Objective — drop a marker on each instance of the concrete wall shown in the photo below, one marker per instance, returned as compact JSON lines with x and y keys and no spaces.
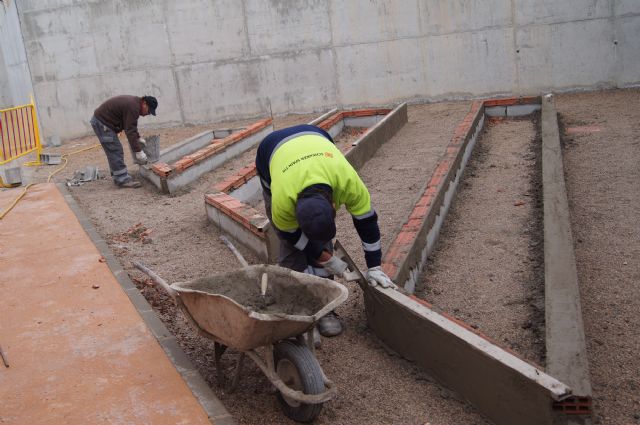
{"x":209,"y":60}
{"x":15,"y":78}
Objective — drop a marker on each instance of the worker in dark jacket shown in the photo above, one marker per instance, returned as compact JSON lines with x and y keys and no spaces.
{"x":118,"y":114}
{"x":305,"y":178}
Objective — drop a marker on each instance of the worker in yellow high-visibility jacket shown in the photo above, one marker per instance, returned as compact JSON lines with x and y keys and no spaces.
{"x":305,"y":179}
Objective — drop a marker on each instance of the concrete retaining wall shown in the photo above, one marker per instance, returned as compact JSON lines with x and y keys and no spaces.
{"x":15,"y":77}
{"x":212,"y":60}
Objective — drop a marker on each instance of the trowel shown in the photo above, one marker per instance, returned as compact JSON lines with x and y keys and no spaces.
{"x":265,"y":301}
{"x":353,"y":273}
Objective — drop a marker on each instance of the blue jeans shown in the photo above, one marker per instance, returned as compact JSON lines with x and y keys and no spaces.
{"x":113,"y":149}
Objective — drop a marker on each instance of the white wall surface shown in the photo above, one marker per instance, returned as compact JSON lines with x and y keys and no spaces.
{"x":208,"y":60}
{"x":15,"y":79}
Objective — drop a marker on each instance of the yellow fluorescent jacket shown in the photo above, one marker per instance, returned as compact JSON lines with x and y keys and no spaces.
{"x":312,"y":159}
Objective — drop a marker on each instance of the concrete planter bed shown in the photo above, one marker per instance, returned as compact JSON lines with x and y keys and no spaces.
{"x":229,"y":208}
{"x":504,"y":387}
{"x":184,"y":162}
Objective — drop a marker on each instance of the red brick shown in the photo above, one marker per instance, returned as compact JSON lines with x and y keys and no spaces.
{"x":421,"y":301}
{"x":525,"y":100}
{"x":161,"y":169}
{"x":419,"y":212}
{"x":331,"y":121}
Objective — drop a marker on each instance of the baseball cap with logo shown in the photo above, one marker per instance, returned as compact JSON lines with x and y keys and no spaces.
{"x":152,"y":102}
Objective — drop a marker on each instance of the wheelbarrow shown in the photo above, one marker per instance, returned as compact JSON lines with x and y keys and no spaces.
{"x":275,"y":331}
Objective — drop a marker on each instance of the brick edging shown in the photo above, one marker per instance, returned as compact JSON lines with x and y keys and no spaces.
{"x":166,"y":170}
{"x":240,"y":212}
{"x":214,"y":408}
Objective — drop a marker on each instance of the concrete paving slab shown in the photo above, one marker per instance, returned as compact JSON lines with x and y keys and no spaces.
{"x":78,"y":350}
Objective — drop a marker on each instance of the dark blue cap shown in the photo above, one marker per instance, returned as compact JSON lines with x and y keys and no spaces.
{"x":315,"y":215}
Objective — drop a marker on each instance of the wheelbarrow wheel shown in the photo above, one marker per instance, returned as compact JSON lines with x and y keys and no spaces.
{"x":299,"y":369}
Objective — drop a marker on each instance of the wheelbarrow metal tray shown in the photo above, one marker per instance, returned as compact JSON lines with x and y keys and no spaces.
{"x":236,"y":323}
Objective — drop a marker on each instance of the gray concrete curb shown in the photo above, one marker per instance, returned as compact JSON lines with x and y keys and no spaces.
{"x":565,"y":340}
{"x":216,"y":411}
{"x":376,"y":136}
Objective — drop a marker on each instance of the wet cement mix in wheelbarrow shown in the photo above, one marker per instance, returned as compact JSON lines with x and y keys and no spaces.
{"x":280,"y":298}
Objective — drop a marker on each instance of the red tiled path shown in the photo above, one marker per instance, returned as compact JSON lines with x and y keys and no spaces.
{"x":77,"y":355}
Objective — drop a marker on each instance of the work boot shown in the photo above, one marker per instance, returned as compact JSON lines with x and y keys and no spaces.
{"x":330,"y":325}
{"x":130,"y":184}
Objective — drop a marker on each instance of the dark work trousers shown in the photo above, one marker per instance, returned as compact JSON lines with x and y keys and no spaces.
{"x":113,"y":149}
{"x":291,"y":257}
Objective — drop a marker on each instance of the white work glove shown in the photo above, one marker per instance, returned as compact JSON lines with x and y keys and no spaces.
{"x":334,"y":266}
{"x":376,"y":276}
{"x":141,"y":158}
{"x":142,"y":142}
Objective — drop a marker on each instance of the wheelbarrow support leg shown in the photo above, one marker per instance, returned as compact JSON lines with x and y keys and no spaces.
{"x":219,"y":350}
{"x":236,"y":378}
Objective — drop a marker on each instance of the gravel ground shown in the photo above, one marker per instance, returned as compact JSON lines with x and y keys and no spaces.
{"x":488,"y":266}
{"x":601,"y":137}
{"x":374,"y":385}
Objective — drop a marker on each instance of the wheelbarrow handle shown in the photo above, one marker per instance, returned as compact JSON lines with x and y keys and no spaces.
{"x":157,"y":279}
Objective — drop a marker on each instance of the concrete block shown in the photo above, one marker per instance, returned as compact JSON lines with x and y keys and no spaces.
{"x":214,"y":408}
{"x":496,"y":111}
{"x":550,"y":11}
{"x":521,"y":110}
{"x":363,"y":21}
{"x":176,"y":355}
{"x":449,"y":59}
{"x":51,"y":158}
{"x":277,"y":26}
{"x":392,"y":73}
{"x":13,"y":176}
{"x":195,"y":39}
{"x":363,"y":122}
{"x":568,"y":49}
{"x":457,"y":16}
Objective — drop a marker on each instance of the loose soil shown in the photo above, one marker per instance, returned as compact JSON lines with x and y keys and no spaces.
{"x":171,"y":235}
{"x":488,"y":267}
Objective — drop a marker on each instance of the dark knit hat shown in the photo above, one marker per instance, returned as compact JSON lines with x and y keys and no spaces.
{"x":316,"y":217}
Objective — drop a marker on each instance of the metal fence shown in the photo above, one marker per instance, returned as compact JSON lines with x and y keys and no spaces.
{"x":19,"y":134}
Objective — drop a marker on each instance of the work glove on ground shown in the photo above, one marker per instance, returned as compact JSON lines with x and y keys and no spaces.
{"x":141,"y":158}
{"x":376,"y":276}
{"x":334,"y":266}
